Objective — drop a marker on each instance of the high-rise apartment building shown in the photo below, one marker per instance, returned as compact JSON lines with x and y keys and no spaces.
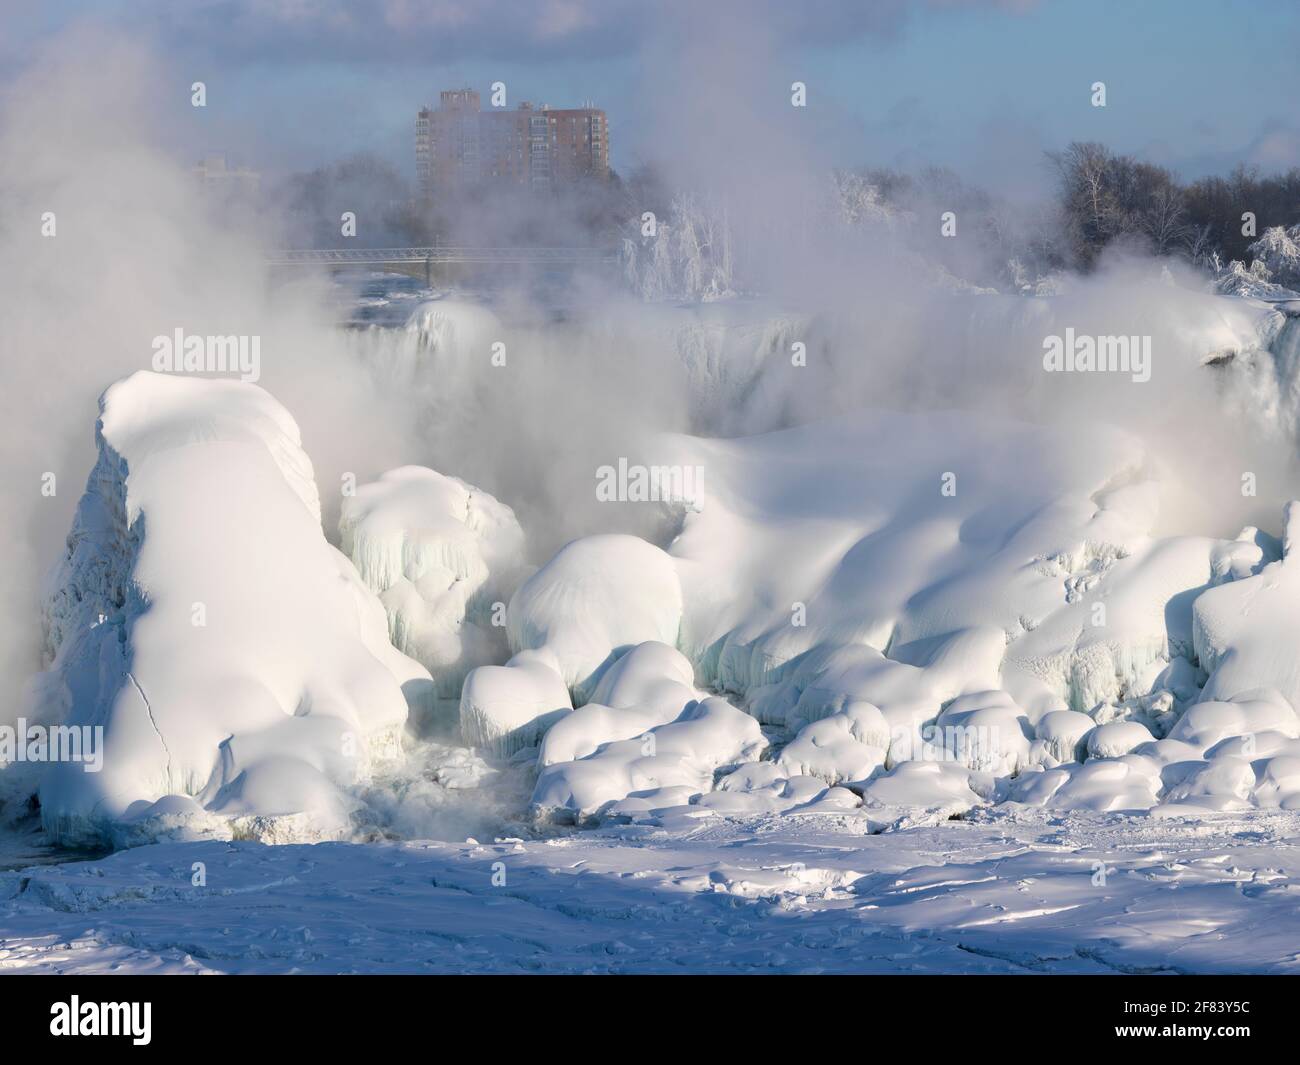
{"x":460,"y":145}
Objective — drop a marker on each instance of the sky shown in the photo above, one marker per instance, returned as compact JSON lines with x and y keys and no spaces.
{"x":984,"y":86}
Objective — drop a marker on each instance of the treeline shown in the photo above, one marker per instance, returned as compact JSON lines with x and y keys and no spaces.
{"x":1105,"y":198}
{"x":1102,"y":200}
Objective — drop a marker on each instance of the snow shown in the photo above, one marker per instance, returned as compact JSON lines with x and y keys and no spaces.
{"x":1116,"y":738}
{"x":1241,"y":629}
{"x":596,"y":597}
{"x":941,"y":564}
{"x":1062,"y":734}
{"x":848,"y":746}
{"x":508,"y":708}
{"x":679,"y":756}
{"x":440,"y":554}
{"x":239,"y":668}
{"x":1021,"y":891}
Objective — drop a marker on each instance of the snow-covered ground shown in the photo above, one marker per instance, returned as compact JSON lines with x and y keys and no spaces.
{"x":1013,"y":891}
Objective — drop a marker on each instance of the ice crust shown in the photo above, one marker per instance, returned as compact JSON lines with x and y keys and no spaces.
{"x":238,"y":666}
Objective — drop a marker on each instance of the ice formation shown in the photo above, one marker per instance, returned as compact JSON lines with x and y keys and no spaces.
{"x":239,"y":668}
{"x":863,"y":613}
{"x":598,"y":596}
{"x":444,"y":558}
{"x":927,"y":649}
{"x":668,"y":764}
{"x":508,"y":708}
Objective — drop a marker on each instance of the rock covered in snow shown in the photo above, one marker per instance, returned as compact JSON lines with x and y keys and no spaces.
{"x":940,"y":788}
{"x":440,"y":554}
{"x":1256,"y":713}
{"x":1103,"y":785}
{"x":983,"y":731}
{"x":239,"y":668}
{"x":505,"y":709}
{"x":1062,"y":734}
{"x":847,"y":747}
{"x":598,"y":596}
{"x":1243,"y":630}
{"x":682,"y":753}
{"x":1116,"y":738}
{"x":650,"y":685}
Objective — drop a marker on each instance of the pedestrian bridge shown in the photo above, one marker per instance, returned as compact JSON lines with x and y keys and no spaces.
{"x":428,"y":263}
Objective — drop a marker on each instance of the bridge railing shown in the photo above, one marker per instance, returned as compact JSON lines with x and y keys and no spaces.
{"x":443,"y":254}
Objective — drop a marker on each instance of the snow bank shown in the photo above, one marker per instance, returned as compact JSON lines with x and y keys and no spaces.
{"x":598,"y":596}
{"x":239,"y":668}
{"x":439,"y":553}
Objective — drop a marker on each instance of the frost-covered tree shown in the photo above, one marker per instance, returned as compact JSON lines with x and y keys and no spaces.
{"x":856,"y":200}
{"x":1278,"y":250}
{"x":688,"y":257}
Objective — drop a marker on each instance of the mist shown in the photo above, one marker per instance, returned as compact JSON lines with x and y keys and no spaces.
{"x":140,"y":252}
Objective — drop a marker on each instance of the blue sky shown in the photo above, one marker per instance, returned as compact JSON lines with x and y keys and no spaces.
{"x":982,"y":85}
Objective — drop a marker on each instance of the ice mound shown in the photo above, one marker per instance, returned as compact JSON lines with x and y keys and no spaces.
{"x":940,"y":789}
{"x":902,"y":532}
{"x":983,"y":731}
{"x":239,"y":668}
{"x":1253,"y":713}
{"x":650,"y":685}
{"x":1244,"y":631}
{"x":1222,"y":784}
{"x":849,"y":746}
{"x":1279,"y":782}
{"x":832,"y":677}
{"x":440,"y":554}
{"x":667,"y":765}
{"x":761,"y":787}
{"x":1102,"y":786}
{"x":1116,"y":738}
{"x":505,"y":709}
{"x":598,"y":596}
{"x":1061,"y":735}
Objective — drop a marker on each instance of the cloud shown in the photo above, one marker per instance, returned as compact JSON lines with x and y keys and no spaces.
{"x":415,"y":31}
